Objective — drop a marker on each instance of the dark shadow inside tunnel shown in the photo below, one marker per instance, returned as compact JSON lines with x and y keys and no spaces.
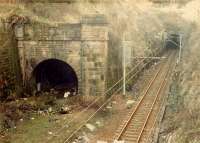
{"x":173,"y":41}
{"x":55,"y":74}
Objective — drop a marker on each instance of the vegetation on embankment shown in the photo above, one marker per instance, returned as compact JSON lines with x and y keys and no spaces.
{"x":182,"y":120}
{"x":142,"y":25}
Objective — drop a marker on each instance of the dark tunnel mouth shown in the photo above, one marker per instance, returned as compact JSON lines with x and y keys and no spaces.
{"x":55,"y":74}
{"x":174,"y":42}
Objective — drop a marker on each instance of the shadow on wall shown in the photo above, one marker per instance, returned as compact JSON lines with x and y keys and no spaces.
{"x":55,"y":74}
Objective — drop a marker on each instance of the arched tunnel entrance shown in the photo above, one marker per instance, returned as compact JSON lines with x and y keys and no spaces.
{"x":173,"y":41}
{"x":55,"y":74}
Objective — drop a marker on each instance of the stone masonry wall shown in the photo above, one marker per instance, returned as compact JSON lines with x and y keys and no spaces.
{"x":4,"y":53}
{"x":82,"y":45}
{"x":8,"y":52}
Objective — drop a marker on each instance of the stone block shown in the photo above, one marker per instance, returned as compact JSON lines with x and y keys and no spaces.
{"x":96,"y":19}
{"x":90,"y":64}
{"x":64,"y":42}
{"x":94,"y":33}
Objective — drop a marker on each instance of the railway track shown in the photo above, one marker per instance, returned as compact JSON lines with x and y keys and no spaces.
{"x":139,"y":122}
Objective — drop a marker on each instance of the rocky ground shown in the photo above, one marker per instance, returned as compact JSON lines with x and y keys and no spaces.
{"x":39,"y":119}
{"x":49,"y":119}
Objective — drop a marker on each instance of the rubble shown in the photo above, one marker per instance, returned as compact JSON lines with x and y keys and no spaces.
{"x":41,"y":113}
{"x":9,"y":123}
{"x":129,"y":103}
{"x":65,"y":110}
{"x":50,"y":133}
{"x":11,"y":116}
{"x":26,"y":107}
{"x":90,"y":127}
{"x":99,"y":123}
{"x":82,"y":139}
{"x":53,"y":119}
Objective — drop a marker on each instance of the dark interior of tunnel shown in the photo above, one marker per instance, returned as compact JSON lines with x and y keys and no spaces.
{"x":173,"y":41}
{"x":55,"y":74}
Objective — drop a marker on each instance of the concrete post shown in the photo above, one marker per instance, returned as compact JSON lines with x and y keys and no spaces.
{"x":180,"y":49}
{"x":124,"y":71}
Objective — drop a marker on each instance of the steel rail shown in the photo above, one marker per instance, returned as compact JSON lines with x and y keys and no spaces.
{"x":138,"y":105}
{"x":85,"y":122}
{"x":82,"y":125}
{"x":163,"y":84}
{"x":157,"y":117}
{"x":68,"y":139}
{"x":107,"y":101}
{"x":91,"y":104}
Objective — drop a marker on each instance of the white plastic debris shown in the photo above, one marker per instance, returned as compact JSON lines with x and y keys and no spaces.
{"x":50,"y":133}
{"x":66,"y":95}
{"x":99,"y":123}
{"x":90,"y":127}
{"x":32,"y":118}
{"x":50,"y":109}
{"x":65,"y":110}
{"x":38,"y":86}
{"x":109,"y":107}
{"x":130,"y":102}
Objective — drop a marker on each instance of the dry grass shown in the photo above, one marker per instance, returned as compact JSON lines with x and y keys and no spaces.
{"x":187,"y":117}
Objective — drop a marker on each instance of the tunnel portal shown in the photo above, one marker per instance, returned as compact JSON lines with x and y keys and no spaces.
{"x":173,"y":41}
{"x":55,"y":74}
